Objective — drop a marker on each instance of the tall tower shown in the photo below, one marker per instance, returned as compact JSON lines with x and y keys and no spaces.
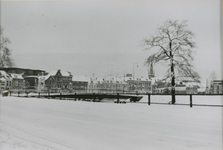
{"x":151,"y":73}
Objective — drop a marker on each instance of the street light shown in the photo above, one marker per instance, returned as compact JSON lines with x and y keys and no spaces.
{"x":133,"y":70}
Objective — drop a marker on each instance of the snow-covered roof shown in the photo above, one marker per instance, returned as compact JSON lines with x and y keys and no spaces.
{"x":99,"y":80}
{"x":120,"y":79}
{"x":185,"y":79}
{"x":47,"y":76}
{"x":53,"y":73}
{"x":63,"y":73}
{"x":143,"y":79}
{"x":4,"y":74}
{"x":190,"y":84}
{"x":128,"y":78}
{"x":2,"y":79}
{"x":16,"y":76}
{"x":79,"y":78}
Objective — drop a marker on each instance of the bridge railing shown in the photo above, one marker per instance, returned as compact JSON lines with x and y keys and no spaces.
{"x":190,"y":98}
{"x":150,"y":95}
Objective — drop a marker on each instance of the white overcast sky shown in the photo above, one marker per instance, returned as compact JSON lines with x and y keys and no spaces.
{"x":100,"y":37}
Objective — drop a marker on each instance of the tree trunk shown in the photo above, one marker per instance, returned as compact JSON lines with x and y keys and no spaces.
{"x":173,"y":83}
{"x":172,"y":77}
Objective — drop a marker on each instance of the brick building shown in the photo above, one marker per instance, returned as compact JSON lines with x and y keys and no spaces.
{"x":58,"y":81}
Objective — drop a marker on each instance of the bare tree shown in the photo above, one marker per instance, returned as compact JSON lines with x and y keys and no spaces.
{"x":174,"y":45}
{"x":5,"y":52}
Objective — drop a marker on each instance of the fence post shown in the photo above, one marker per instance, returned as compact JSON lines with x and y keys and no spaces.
{"x":117,"y":97}
{"x":18,"y":94}
{"x":27,"y":94}
{"x":93,"y":97}
{"x":60,"y":95}
{"x":148,"y":99}
{"x":39,"y":94}
{"x":191,"y":100}
{"x":75,"y":95}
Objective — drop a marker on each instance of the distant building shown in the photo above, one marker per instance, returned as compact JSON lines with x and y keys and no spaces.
{"x":6,"y":81}
{"x":139,"y":85}
{"x":58,"y":81}
{"x":183,"y":85}
{"x":18,"y":79}
{"x":216,"y":87}
{"x":18,"y":82}
{"x":31,"y":82}
{"x":2,"y":84}
{"x":79,"y":83}
{"x":97,"y":85}
{"x":35,"y":83}
{"x":110,"y":84}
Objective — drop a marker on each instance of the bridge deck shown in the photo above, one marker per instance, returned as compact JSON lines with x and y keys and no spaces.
{"x":93,"y":96}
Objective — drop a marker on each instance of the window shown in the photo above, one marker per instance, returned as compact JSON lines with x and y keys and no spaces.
{"x":16,"y":83}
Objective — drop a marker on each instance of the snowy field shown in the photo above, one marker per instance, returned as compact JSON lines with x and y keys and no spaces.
{"x":47,"y":124}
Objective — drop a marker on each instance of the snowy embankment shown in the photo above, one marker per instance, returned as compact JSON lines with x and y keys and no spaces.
{"x":47,"y":124}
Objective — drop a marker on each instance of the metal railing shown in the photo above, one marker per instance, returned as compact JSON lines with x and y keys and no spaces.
{"x":190,"y":98}
{"x":119,"y":93}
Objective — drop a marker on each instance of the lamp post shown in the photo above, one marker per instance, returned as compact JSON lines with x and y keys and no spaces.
{"x":133,"y":70}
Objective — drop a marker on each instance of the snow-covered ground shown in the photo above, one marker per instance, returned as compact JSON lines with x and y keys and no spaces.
{"x":47,"y":124}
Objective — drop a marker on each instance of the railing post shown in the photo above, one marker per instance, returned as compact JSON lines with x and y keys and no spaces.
{"x":117,"y":97}
{"x":93,"y":97}
{"x":191,"y":100}
{"x":148,"y":99}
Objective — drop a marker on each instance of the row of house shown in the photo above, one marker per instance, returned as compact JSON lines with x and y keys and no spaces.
{"x":183,"y":85}
{"x":19,"y":79}
{"x":29,"y":80}
{"x":11,"y":81}
{"x":119,"y":84}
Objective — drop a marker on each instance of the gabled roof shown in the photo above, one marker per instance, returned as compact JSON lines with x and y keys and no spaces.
{"x":63,"y":73}
{"x":3,"y":73}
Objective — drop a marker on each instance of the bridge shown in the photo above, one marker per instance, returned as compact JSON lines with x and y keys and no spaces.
{"x":95,"y":97}
{"x":116,"y":97}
